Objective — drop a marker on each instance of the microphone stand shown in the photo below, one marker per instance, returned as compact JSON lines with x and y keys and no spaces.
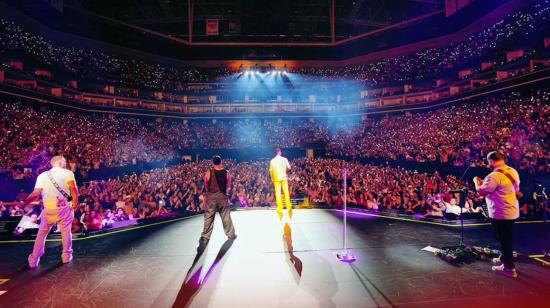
{"x":544,"y":258}
{"x":462,"y":202}
{"x":463,"y":195}
{"x":465,"y":171}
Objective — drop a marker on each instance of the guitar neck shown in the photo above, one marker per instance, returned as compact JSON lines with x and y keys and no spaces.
{"x":15,"y":203}
{"x":460,"y":183}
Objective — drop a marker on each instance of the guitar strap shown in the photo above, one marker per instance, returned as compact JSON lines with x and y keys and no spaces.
{"x":511,"y":180}
{"x":63,"y":192}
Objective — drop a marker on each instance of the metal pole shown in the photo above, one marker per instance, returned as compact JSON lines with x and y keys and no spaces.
{"x":545,"y":228}
{"x":461,"y":226}
{"x":190,"y":19}
{"x":345,"y":209}
{"x":344,"y":255}
{"x":332,"y":22}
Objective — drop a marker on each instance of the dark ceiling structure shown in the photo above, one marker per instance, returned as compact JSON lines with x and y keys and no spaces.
{"x":261,"y":20}
{"x":254,"y":29}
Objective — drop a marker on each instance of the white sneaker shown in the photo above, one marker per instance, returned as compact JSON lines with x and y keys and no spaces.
{"x":34,"y":264}
{"x":501,"y":270}
{"x":497,"y":261}
{"x":67,"y":261}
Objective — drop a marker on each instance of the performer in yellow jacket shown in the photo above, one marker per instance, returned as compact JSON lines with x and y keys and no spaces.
{"x":277,"y":170}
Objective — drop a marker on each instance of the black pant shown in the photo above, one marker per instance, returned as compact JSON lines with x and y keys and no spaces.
{"x":504,"y":232}
{"x":217,"y":202}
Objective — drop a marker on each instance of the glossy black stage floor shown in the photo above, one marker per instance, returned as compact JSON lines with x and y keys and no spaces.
{"x":273,"y":265}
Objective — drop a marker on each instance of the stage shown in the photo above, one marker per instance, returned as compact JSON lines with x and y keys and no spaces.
{"x":273,"y":264}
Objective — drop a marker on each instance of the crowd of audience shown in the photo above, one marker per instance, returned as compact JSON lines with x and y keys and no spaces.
{"x":98,"y":66}
{"x":103,"y":204}
{"x":235,"y":134}
{"x":484,"y":45}
{"x":94,"y":65}
{"x":30,"y":137}
{"x":458,"y":135}
{"x":118,"y":201}
{"x":379,"y":188}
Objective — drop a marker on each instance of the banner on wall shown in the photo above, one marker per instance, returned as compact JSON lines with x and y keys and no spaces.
{"x":212,"y":27}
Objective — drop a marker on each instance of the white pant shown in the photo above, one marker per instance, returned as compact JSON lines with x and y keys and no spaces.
{"x":63,"y":217}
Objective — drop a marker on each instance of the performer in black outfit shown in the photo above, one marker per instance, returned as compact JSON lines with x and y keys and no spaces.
{"x":217,"y":180}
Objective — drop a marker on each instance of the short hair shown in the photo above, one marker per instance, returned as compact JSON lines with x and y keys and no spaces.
{"x":495,"y":156}
{"x":217,"y":160}
{"x":277,"y":150}
{"x":56,"y":159}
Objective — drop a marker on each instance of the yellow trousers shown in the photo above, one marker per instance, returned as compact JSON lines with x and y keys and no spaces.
{"x":278,"y":198}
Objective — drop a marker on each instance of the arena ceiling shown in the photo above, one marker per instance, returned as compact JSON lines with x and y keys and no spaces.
{"x":261,"y":20}
{"x":253,"y":29}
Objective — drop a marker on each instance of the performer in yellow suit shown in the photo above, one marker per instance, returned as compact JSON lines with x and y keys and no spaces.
{"x":278,"y":167}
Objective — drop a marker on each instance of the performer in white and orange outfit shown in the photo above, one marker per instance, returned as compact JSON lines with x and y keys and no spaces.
{"x":59,"y":193}
{"x":278,"y":167}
